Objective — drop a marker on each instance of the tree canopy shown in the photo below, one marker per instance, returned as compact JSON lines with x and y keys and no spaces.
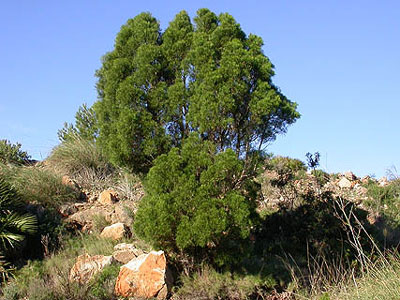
{"x":205,"y":76}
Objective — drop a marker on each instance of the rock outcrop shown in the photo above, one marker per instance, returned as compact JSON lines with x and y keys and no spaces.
{"x":87,"y":266}
{"x":145,"y":276}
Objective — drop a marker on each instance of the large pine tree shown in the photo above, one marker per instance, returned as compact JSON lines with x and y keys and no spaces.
{"x":209,"y":77}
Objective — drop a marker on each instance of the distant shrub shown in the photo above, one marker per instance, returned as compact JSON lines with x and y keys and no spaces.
{"x":385,"y":200}
{"x":195,"y":202}
{"x":85,"y":126}
{"x":279,"y":163}
{"x":12,"y":153}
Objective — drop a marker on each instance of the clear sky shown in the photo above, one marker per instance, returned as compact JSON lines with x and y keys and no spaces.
{"x":339,"y":60}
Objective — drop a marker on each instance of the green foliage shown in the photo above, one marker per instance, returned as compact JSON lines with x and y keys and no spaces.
{"x":39,"y":186}
{"x":15,"y":224}
{"x":102,"y":285}
{"x":385,"y":200}
{"x":85,"y":126}
{"x":279,"y":163}
{"x":12,"y":153}
{"x":155,"y":88}
{"x":209,"y":284}
{"x":196,"y":201}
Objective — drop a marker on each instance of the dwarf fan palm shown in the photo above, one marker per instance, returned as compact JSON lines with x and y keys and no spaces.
{"x":14,"y":225}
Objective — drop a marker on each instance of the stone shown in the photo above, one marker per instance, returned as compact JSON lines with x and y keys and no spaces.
{"x":121,"y":214}
{"x":87,"y":266}
{"x":67,"y":210}
{"x":383,"y":181}
{"x":361,"y":191}
{"x":108,"y":197}
{"x":350,"y":175}
{"x":115,"y":231}
{"x":84,"y":218}
{"x":344,"y":183}
{"x":145,"y":276}
{"x":366,"y":179}
{"x":68,"y":181}
{"x":124,"y":253}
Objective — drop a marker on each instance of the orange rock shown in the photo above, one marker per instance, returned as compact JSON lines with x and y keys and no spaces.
{"x":86,"y":266}
{"x":115,"y":231}
{"x":108,"y":197}
{"x":144,"y":276}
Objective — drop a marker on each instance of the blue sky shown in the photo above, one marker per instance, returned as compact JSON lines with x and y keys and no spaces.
{"x":339,"y":60}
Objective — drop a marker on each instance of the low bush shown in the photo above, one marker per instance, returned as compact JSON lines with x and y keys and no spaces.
{"x":210,"y":284}
{"x":291,"y":164}
{"x":82,"y":160}
{"x":36,"y":185}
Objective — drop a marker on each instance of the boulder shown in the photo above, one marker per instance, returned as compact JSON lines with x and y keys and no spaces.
{"x":87,"y":266}
{"x":66,"y":180}
{"x":84,"y":218}
{"x":121,"y":214}
{"x":124,"y":253}
{"x":115,"y":231}
{"x":366,"y":179}
{"x":145,"y":276}
{"x":108,"y":197}
{"x":344,"y":183}
{"x":350,"y":176}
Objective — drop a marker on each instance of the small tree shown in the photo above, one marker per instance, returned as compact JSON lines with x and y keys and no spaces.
{"x":195,"y":203}
{"x":313,"y":160}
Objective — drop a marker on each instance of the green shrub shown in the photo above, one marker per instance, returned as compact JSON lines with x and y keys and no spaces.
{"x":102,"y":285}
{"x":385,"y":199}
{"x":210,"y":284}
{"x":15,"y":224}
{"x":77,"y":155}
{"x":278,"y":163}
{"x":37,"y":185}
{"x":12,"y":154}
{"x":194,"y":201}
